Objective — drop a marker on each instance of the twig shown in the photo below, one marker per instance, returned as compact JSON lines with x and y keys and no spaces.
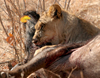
{"x":3,"y":10}
{"x":9,"y":14}
{"x":55,"y":1}
{"x":5,"y":62}
{"x":18,"y":10}
{"x":3,"y":27}
{"x":72,"y":71}
{"x":2,"y":48}
{"x":20,"y":30}
{"x":40,"y":6}
{"x":81,"y":73}
{"x":37,"y":5}
{"x":59,"y":3}
{"x":68,"y":4}
{"x":43,"y":5}
{"x":13,"y":26}
{"x":14,"y":6}
{"x":20,"y":43}
{"x":24,"y":5}
{"x":65,"y":4}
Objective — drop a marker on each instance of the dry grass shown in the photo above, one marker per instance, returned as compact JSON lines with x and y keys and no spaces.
{"x":12,"y":10}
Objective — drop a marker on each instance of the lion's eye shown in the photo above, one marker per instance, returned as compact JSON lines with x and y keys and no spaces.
{"x":42,"y":26}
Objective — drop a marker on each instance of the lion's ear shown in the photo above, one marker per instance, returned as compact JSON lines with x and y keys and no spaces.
{"x":55,"y":11}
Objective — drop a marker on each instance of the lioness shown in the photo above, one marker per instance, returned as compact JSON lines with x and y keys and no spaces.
{"x":58,"y":26}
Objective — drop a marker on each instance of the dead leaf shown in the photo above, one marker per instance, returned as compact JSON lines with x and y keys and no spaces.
{"x":10,"y":39}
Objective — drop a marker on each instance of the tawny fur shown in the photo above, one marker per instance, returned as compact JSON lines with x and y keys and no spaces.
{"x":58,"y":26}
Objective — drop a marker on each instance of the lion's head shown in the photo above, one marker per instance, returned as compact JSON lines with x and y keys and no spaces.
{"x":48,"y":28}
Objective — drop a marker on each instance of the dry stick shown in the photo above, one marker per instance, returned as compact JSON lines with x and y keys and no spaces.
{"x":68,"y":4}
{"x":40,"y":6}
{"x":37,"y":5}
{"x":10,"y":16}
{"x":3,"y":10}
{"x":72,"y":71}
{"x":13,"y":28}
{"x":43,"y":5}
{"x":65,"y":4}
{"x":19,"y":38}
{"x":18,"y":10}
{"x":20,"y":30}
{"x":98,"y":10}
{"x":24,"y":5}
{"x":20,"y":49}
{"x":55,"y":1}
{"x":14,"y":6}
{"x":59,"y":3}
{"x":2,"y":48}
{"x":20,"y":35}
{"x":9,"y":13}
{"x":81,"y":73}
{"x":17,"y":30}
{"x":5,"y":62}
{"x":3,"y":27}
{"x":20,"y":43}
{"x":68,"y":72}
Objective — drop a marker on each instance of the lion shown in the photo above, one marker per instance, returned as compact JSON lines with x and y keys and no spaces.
{"x":57,"y":26}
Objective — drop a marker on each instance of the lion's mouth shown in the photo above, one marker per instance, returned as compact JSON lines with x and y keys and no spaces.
{"x":43,"y":44}
{"x":46,"y":42}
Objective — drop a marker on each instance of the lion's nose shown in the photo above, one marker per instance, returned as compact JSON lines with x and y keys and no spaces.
{"x":34,"y":40}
